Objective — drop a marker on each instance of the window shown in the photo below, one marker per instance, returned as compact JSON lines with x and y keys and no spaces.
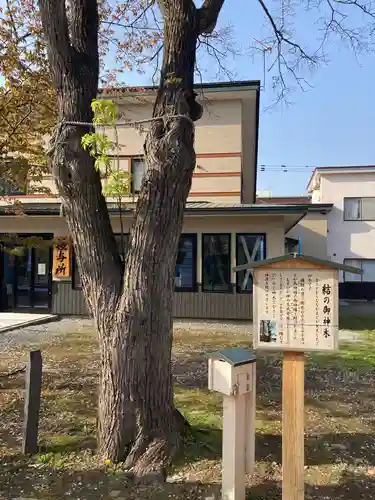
{"x":216,"y":262}
{"x":8,"y":188}
{"x":122,"y":244}
{"x":138,"y":167}
{"x":359,"y":208}
{"x":186,"y":263}
{"x":249,"y":247}
{"x":367,"y":267}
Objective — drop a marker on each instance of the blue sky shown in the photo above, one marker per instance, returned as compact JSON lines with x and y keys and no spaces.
{"x":331,"y":124}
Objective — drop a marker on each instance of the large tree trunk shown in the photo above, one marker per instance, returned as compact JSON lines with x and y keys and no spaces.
{"x":151,"y":261}
{"x":132,"y":313}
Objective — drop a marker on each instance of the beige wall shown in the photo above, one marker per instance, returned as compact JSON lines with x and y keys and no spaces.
{"x":225,"y":140}
{"x":47,"y":186}
{"x":313,"y":232}
{"x":33,"y":224}
{"x":218,"y":131}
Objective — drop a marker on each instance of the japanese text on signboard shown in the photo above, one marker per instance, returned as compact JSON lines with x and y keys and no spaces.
{"x":61,"y":259}
{"x":296,"y":308}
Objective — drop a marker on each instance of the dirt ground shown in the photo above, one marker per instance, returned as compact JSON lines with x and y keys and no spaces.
{"x":339,"y":421}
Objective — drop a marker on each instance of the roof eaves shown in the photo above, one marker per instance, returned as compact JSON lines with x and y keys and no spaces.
{"x":341,"y":170}
{"x":46,"y":209}
{"x":201,"y":208}
{"x":212,"y":86}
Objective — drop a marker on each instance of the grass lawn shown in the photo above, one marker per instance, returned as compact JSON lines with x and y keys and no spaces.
{"x":340,"y":423}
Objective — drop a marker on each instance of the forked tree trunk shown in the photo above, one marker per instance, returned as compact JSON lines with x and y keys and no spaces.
{"x":132,"y":313}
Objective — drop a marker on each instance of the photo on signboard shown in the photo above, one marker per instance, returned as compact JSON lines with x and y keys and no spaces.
{"x":268,"y":330}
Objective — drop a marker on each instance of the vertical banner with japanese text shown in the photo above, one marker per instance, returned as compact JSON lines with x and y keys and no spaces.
{"x":61,"y":259}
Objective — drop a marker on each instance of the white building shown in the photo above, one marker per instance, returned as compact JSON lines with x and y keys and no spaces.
{"x":350,"y":223}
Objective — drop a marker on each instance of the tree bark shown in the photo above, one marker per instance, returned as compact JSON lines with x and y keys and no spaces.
{"x":133,"y":311}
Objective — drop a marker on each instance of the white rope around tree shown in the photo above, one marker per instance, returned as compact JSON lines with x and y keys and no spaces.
{"x":134,"y":124}
{"x":130,"y":123}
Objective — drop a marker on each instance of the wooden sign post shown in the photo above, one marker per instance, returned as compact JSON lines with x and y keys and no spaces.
{"x":295,"y":311}
{"x":32,"y":403}
{"x":293,"y":425}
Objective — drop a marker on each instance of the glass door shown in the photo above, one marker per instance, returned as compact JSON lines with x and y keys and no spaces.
{"x":23,"y":275}
{"x":41,"y":264}
{"x":8,"y":275}
{"x":26,"y":276}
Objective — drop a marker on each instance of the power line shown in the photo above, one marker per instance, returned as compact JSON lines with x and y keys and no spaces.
{"x":286,"y":168}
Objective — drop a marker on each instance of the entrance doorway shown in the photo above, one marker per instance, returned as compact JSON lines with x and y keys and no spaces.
{"x":26,"y":275}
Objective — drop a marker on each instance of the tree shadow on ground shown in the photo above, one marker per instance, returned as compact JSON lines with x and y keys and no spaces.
{"x":322,"y":449}
{"x":54,"y":484}
{"x":347,"y":488}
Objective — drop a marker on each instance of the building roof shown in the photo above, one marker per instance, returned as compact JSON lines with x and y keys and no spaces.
{"x":284,"y":200}
{"x":298,"y":257}
{"x":348,"y":169}
{"x":291,"y":214}
{"x":54,"y":207}
{"x":257,"y":208}
{"x":209,"y":86}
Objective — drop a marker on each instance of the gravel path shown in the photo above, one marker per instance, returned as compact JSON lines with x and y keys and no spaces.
{"x":40,"y":333}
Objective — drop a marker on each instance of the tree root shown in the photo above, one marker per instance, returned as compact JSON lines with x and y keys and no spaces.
{"x":150,"y":457}
{"x":149,"y":460}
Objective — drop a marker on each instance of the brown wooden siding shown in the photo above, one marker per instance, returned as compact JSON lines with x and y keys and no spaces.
{"x":66,"y":301}
{"x":69,"y":302}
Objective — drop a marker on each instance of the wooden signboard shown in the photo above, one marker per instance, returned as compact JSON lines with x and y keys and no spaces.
{"x":296,"y":309}
{"x":61,"y":259}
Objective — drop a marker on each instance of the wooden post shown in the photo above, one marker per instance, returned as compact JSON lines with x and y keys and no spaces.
{"x":32,"y":403}
{"x":293,"y":425}
{"x":233,"y":462}
{"x":250,"y":424}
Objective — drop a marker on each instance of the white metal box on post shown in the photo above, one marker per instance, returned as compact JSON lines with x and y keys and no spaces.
{"x":230,"y":379}
{"x":232,"y":372}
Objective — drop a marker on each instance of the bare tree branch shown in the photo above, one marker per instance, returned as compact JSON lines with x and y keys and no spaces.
{"x":280,"y":37}
{"x":208,"y":15}
{"x":218,"y":55}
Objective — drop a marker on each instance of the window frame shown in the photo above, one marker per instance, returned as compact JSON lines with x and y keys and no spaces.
{"x":238,"y":289}
{"x":360,"y":198}
{"x":361,"y":268}
{"x":193,"y":288}
{"x":230,"y":284}
{"x":132,"y":159}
